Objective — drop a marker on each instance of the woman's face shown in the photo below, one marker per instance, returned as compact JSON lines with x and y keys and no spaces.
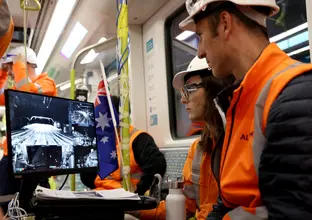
{"x":195,"y":102}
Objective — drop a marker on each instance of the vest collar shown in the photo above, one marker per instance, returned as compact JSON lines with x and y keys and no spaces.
{"x":267,"y":61}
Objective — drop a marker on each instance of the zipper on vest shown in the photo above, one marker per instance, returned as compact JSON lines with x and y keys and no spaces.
{"x":228,"y":143}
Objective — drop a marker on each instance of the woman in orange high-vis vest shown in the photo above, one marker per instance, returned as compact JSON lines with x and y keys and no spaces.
{"x":145,"y":161}
{"x":198,"y":88}
{"x":264,"y":166}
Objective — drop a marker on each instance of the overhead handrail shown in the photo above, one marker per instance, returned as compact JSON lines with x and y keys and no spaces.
{"x":30,"y":8}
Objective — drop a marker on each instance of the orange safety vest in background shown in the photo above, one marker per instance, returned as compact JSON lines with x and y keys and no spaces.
{"x":200,"y":187}
{"x":114,"y":180}
{"x":43,"y":84}
{"x":245,"y":139}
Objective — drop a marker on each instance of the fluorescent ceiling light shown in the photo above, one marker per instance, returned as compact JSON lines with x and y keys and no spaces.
{"x":91,"y":55}
{"x":184,"y":35}
{"x":293,"y":41}
{"x":74,"y":39}
{"x":289,"y":32}
{"x":58,"y":21}
{"x":303,"y":49}
{"x":67,"y":85}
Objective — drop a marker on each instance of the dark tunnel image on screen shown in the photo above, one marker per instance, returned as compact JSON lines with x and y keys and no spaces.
{"x":51,"y":133}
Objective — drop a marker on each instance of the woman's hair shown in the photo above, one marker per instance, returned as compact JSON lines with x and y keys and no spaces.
{"x":213,"y":120}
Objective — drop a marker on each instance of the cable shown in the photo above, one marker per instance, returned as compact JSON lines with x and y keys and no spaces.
{"x":63,"y":184}
{"x":14,"y":211}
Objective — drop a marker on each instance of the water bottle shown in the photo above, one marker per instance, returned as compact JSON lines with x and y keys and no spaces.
{"x":175,"y":202}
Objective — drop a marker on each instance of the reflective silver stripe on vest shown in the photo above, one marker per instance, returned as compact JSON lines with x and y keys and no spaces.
{"x":39,"y":88}
{"x":240,"y":214}
{"x":257,"y":146}
{"x":22,"y":82}
{"x":196,"y":164}
{"x":189,"y":191}
{"x":1,"y":91}
{"x":259,"y":138}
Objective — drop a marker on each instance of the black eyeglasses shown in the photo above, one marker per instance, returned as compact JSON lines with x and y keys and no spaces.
{"x":186,"y":90}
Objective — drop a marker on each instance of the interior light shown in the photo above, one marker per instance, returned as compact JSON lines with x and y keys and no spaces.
{"x":294,"y":41}
{"x":184,"y":35}
{"x":91,"y":55}
{"x":74,"y":39}
{"x":303,"y":49}
{"x":68,"y":84}
{"x":289,"y":32}
{"x":58,"y":21}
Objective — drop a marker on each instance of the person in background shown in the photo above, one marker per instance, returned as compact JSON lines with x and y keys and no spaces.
{"x":36,"y":83}
{"x":41,"y":84}
{"x":264,"y":167}
{"x":198,"y":88}
{"x":145,"y":161}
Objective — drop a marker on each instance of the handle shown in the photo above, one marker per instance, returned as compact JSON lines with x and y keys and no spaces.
{"x":30,"y":8}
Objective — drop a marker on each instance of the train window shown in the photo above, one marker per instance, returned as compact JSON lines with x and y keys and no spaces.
{"x":181,"y":50}
{"x":288,"y":29}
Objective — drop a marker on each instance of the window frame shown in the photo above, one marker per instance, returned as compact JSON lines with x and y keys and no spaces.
{"x":170,"y":74}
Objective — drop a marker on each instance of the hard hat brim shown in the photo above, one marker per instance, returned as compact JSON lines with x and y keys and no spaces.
{"x":178,"y":80}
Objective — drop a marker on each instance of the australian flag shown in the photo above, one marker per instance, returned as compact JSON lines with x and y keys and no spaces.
{"x":106,"y":139}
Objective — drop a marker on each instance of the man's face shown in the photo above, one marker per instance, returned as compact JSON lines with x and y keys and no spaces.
{"x":195,"y":103}
{"x":213,"y":46}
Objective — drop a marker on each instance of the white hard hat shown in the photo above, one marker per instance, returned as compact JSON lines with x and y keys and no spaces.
{"x":195,"y":65}
{"x":193,"y":7}
{"x":31,"y":55}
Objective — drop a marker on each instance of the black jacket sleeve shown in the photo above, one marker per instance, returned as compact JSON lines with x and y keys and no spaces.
{"x":149,"y":158}
{"x":285,"y":179}
{"x":88,"y":178}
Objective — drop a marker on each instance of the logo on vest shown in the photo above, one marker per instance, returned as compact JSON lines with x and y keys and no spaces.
{"x":246,"y":137}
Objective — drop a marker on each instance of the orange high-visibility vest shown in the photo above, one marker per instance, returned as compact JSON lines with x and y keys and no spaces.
{"x":200,"y":186}
{"x":114,"y":180}
{"x":43,"y":84}
{"x":245,"y":138}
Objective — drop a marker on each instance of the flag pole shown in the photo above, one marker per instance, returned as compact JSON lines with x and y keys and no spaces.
{"x":122,"y":68}
{"x":112,"y":113}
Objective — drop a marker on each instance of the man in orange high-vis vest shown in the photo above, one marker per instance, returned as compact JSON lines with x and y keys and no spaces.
{"x":264,"y":167}
{"x":32,"y":82}
{"x":145,"y":161}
